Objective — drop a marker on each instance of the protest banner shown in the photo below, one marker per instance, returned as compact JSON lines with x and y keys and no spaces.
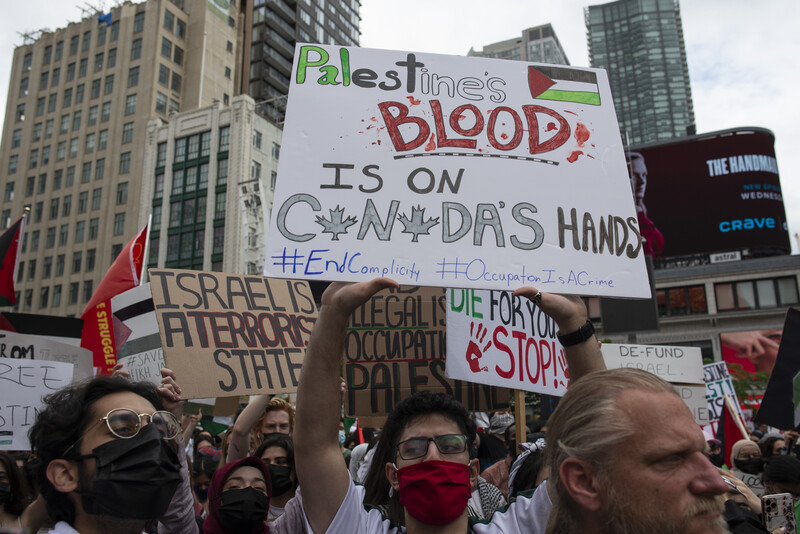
{"x":141,"y":354}
{"x":499,"y":339}
{"x":396,"y":345}
{"x":229,"y":334}
{"x":454,"y":172}
{"x":677,"y":365}
{"x":718,"y":384}
{"x":32,"y":347}
{"x":680,"y":366}
{"x":23,"y":383}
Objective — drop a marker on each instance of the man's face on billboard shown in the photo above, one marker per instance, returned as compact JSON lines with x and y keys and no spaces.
{"x":638,"y":178}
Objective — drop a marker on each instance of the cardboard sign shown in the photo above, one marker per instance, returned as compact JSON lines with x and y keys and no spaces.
{"x":499,"y":339}
{"x":682,"y":365}
{"x":23,"y":383}
{"x":33,"y":347}
{"x":396,"y":345}
{"x":228,"y":334}
{"x":695,"y":398}
{"x":718,"y":384}
{"x":453,"y":171}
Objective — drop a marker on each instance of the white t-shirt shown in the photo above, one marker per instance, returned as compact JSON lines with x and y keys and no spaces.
{"x":527,"y":515}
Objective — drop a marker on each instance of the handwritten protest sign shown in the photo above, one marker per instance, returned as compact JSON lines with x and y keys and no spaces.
{"x":718,"y":384}
{"x":680,"y":366}
{"x":674,"y":364}
{"x":228,"y":334}
{"x":453,"y":171}
{"x":35,"y":347}
{"x":22,"y":384}
{"x":141,"y":354}
{"x":396,"y":345}
{"x":496,"y":338}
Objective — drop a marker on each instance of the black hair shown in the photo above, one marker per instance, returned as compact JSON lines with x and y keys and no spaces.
{"x":768,"y":444}
{"x":525,"y":478}
{"x":204,"y":465}
{"x":20,"y":496}
{"x":420,"y":404}
{"x":784,"y":469}
{"x":62,"y":421}
{"x":284,"y":441}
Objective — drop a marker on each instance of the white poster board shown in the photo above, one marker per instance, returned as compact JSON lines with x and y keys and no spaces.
{"x":29,"y":346}
{"x":497,"y":339}
{"x":718,"y":384}
{"x":22,"y":385}
{"x":674,"y":364}
{"x":453,"y":171}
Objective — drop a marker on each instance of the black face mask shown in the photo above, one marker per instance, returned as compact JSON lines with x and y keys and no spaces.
{"x":280,"y":478}
{"x":243,"y":510}
{"x":136,"y":478}
{"x":202,"y":493}
{"x":752,"y":467}
{"x":716,"y":459}
{"x":5,"y":492}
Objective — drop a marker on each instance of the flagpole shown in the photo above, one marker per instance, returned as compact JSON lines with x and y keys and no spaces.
{"x":735,"y":415}
{"x":25,"y":212}
{"x":146,"y":250}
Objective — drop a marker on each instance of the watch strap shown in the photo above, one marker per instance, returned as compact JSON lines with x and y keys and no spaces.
{"x":578,"y":336}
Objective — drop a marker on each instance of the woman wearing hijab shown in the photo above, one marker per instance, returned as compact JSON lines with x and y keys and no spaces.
{"x":238,"y":498}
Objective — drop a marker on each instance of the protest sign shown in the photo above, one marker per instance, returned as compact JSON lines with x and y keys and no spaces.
{"x":228,"y":334}
{"x":32,"y":347}
{"x":22,"y":384}
{"x":141,"y":354}
{"x":454,"y":172}
{"x":396,"y":345}
{"x":718,"y":384}
{"x":682,"y":365}
{"x":499,"y":339}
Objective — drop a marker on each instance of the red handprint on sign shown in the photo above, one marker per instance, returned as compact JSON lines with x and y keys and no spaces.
{"x":474,"y":351}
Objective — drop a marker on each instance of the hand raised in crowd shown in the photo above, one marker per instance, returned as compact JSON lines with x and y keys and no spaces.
{"x":343,"y":298}
{"x":568,"y":311}
{"x":119,"y":372}
{"x":170,"y":393}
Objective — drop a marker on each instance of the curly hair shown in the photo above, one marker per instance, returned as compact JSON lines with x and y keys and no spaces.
{"x":275,"y":404}
{"x":20,"y":496}
{"x":62,"y":422}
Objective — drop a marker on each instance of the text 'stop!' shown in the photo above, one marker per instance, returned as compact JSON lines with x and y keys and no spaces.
{"x":453,"y":171}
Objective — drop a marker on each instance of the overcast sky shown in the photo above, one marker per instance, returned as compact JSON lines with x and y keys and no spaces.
{"x":743,"y":57}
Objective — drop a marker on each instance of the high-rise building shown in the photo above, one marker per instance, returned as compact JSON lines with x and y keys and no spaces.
{"x":539,"y":45}
{"x":209,"y":176}
{"x":75,"y":131}
{"x":273,"y":27}
{"x":640,"y":44}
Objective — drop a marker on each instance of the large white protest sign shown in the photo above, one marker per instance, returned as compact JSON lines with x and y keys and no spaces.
{"x":674,"y":364}
{"x":718,"y":384}
{"x":453,"y":171}
{"x":22,"y":385}
{"x":497,"y":339}
{"x":35,"y":347}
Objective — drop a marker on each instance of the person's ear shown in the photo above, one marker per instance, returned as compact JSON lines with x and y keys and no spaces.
{"x":63,"y":475}
{"x":391,"y":474}
{"x":580,"y":480}
{"x":474,"y":471}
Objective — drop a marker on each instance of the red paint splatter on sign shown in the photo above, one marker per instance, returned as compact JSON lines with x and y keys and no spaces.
{"x":581,"y":134}
{"x":565,"y":111}
{"x":504,"y":136}
{"x":550,"y":127}
{"x":574,"y":156}
{"x":414,"y":101}
{"x":431,"y":144}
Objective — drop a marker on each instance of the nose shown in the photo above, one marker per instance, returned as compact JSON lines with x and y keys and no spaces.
{"x":706,"y":480}
{"x":433,"y":452}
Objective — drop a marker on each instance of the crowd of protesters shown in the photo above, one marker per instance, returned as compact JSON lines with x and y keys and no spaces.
{"x":621,"y":453}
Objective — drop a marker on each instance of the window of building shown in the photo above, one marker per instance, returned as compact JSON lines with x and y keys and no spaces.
{"x":60,"y":261}
{"x":219,"y":240}
{"x":38,"y":211}
{"x":76,"y":120}
{"x":125,"y":163}
{"x":119,"y":224}
{"x":88,"y":289}
{"x":276,"y":151}
{"x":28,"y":302}
{"x":257,"y":137}
{"x":44,"y":294}
{"x":130,"y":105}
{"x":158,"y":191}
{"x":224,"y":138}
{"x":37,"y":131}
{"x":102,"y":30}
{"x":51,"y":237}
{"x":99,"y":168}
{"x":9,"y":196}
{"x":59,"y":50}
{"x":112,"y":58}
{"x":133,"y":77}
{"x":52,"y":101}
{"x":45,"y":155}
{"x":114,"y":34}
{"x":166,"y":48}
{"x":228,"y":72}
{"x":71,"y":71}
{"x":57,"y":176}
{"x":35,"y":240}
{"x":89,"y":143}
{"x":756,"y":294}
{"x":177,"y":56}
{"x":74,"y":42}
{"x":174,"y":106}
{"x":163,"y":78}
{"x":83,"y":201}
{"x":95,"y":93}
{"x":56,"y":77}
{"x":80,"y":231}
{"x":31,"y":269}
{"x":87,"y":40}
{"x":73,"y":147}
{"x":86,"y":173}
{"x":63,"y":234}
{"x":48,"y":129}
{"x":255,"y":170}
{"x":73,"y":292}
{"x":67,"y":98}
{"x":109,"y":87}
{"x":180,"y":29}
{"x":226,"y":99}
{"x":219,"y":205}
{"x":47,"y":267}
{"x":70,"y":176}
{"x":92,"y":120}
{"x":169,"y":20}
{"x":13,"y":162}
{"x":161,"y":154}
{"x":222,"y":172}
{"x":127,"y":133}
{"x":97,"y":197}
{"x":161,"y":103}
{"x":57,"y":295}
{"x":102,"y":140}
{"x":64,"y":124}
{"x":23,"y":84}
{"x":77,"y":261}
{"x":34,"y":159}
{"x":94,"y":227}
{"x":54,"y":208}
{"x":136,"y":49}
{"x":16,"y":138}
{"x":98,"y":61}
{"x":122,"y":193}
{"x":176,"y":82}
{"x":27,"y":61}
{"x":79,"y":91}
{"x":83,"y":67}
{"x":66,"y":206}
{"x":42,"y":183}
{"x":30,"y":185}
{"x":105,"y":112}
{"x":90,"y":259}
{"x":138,"y":22}
{"x":682,"y":301}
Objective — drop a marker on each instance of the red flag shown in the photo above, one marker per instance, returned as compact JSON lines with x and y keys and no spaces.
{"x":98,"y":327}
{"x":124,"y":274}
{"x":9,"y":245}
{"x":730,"y":431}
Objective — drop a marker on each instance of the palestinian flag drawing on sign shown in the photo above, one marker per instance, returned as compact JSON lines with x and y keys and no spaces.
{"x":563,"y":85}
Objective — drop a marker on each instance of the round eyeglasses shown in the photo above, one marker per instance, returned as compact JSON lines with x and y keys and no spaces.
{"x":414,"y":448}
{"x":125,"y":423}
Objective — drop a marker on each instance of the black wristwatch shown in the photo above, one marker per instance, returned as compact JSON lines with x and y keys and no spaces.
{"x":578,"y":336}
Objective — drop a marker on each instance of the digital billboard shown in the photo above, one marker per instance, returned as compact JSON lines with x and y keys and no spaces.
{"x":716,"y":192}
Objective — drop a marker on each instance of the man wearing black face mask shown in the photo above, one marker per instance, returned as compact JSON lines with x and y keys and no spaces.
{"x":107,"y":458}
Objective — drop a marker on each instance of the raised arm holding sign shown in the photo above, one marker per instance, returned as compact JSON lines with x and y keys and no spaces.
{"x":329,"y":499}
